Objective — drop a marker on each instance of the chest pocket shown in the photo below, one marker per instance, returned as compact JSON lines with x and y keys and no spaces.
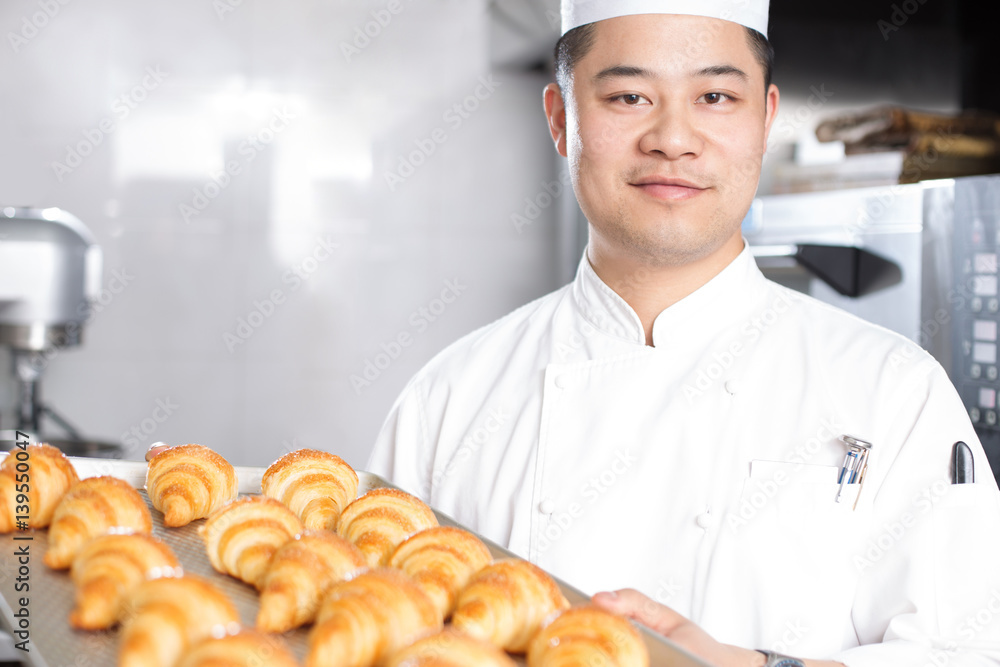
{"x":801,"y":544}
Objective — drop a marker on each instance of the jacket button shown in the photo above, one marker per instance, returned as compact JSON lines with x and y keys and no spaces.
{"x":547,"y":506}
{"x":564,"y":381}
{"x":732,"y":386}
{"x":704,"y":520}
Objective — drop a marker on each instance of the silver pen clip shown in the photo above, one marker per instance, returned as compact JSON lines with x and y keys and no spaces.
{"x":855,"y":464}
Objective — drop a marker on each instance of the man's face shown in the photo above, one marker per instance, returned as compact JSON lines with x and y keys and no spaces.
{"x":665,"y":129}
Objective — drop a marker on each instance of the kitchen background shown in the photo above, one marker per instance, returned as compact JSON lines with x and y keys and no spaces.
{"x":300,"y":203}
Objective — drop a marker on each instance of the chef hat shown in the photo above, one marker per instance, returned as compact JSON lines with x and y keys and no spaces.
{"x":751,"y":13}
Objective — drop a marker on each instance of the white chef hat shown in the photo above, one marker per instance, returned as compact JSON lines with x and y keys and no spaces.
{"x":751,"y":13}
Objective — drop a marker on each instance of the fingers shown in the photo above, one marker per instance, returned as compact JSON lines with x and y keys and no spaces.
{"x":155,"y":449}
{"x":635,"y":605}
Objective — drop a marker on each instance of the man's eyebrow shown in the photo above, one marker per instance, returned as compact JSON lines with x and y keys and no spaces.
{"x":624,"y":71}
{"x":723,"y":70}
{"x":631,"y":71}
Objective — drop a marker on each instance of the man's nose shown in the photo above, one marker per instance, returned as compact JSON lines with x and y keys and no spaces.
{"x":672,"y":133}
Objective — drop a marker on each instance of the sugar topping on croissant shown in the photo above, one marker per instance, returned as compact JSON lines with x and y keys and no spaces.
{"x":380,"y":520}
{"x":242,"y":536}
{"x":189,"y":482}
{"x":588,"y":635}
{"x":506,"y":603}
{"x":90,"y":508}
{"x":32,"y":482}
{"x":441,"y":560}
{"x":108,"y":568}
{"x":366,"y":619}
{"x":316,"y":485}
{"x":299,"y":574}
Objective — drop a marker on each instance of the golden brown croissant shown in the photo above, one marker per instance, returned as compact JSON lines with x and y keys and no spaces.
{"x":380,"y":520}
{"x":450,"y":648}
{"x":316,"y":485}
{"x":243,"y":649}
{"x":242,"y":536}
{"x":298,"y":576}
{"x":40,"y":475}
{"x":189,"y":482}
{"x":108,"y":567}
{"x":588,"y":635}
{"x":164,"y":616}
{"x":441,"y":560}
{"x":368,"y":618}
{"x":506,"y":603}
{"x":89,"y":509}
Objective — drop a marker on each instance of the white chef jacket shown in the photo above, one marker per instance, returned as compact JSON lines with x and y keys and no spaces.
{"x":702,"y":471}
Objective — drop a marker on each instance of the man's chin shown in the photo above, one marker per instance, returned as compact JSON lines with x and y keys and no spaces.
{"x":672,"y":245}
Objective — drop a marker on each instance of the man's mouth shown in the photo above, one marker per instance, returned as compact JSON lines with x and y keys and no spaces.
{"x":669,"y":189}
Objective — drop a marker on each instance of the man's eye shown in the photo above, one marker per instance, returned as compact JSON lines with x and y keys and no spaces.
{"x":631,"y":99}
{"x":714,"y":98}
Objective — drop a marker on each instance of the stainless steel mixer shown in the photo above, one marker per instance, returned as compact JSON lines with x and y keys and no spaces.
{"x":50,"y":275}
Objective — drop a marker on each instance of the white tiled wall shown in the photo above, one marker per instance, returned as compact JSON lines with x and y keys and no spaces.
{"x":316,"y":180}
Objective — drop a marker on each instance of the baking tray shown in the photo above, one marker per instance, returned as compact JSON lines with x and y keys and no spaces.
{"x":53,"y":643}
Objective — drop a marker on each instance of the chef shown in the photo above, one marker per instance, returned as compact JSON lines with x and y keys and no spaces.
{"x":670,"y":426}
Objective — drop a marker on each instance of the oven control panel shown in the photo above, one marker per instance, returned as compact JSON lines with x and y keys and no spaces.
{"x":975,"y":303}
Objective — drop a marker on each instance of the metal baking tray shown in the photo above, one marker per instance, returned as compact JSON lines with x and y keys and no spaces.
{"x":54,"y":644}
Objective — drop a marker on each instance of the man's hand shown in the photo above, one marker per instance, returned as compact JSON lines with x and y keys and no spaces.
{"x":155,"y":449}
{"x":681,"y":631}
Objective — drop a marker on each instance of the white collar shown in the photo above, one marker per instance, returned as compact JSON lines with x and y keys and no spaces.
{"x":704,"y":312}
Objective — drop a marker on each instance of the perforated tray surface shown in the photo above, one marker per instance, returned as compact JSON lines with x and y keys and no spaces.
{"x":53,"y":643}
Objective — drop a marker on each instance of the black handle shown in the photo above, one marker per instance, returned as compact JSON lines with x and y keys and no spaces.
{"x":850,"y":270}
{"x":962,"y":464}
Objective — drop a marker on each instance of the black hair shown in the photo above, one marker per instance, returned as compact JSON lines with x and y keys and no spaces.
{"x":575,"y":44}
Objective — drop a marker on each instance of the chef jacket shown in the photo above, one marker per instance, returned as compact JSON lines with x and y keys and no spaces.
{"x":703,"y":470}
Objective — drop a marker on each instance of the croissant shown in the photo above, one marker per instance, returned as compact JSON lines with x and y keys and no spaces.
{"x":89,"y":509}
{"x":588,"y":635}
{"x":300,"y":572}
{"x":107,"y":568}
{"x":164,"y":616}
{"x":244,"y":649}
{"x":450,"y":648}
{"x":441,"y":560}
{"x":506,"y":603}
{"x":364,"y":620}
{"x":316,"y":485}
{"x":243,"y":535}
{"x":189,"y":482}
{"x":380,"y":520}
{"x":43,"y":474}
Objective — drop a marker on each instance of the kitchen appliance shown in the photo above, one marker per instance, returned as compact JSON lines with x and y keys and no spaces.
{"x":50,"y":274}
{"x":920,"y":259}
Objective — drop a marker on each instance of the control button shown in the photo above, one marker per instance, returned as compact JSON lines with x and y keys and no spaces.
{"x":991,"y":372}
{"x":733,"y":386}
{"x":976,"y":304}
{"x":991,"y":417}
{"x":985,"y":262}
{"x":564,"y":381}
{"x":547,"y":506}
{"x":974,"y":415}
{"x":993,"y":305}
{"x":705,"y":520}
{"x":976,"y":371}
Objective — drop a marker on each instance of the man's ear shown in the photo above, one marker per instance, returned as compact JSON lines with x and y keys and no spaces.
{"x":770,"y":111}
{"x":555,"y":112}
